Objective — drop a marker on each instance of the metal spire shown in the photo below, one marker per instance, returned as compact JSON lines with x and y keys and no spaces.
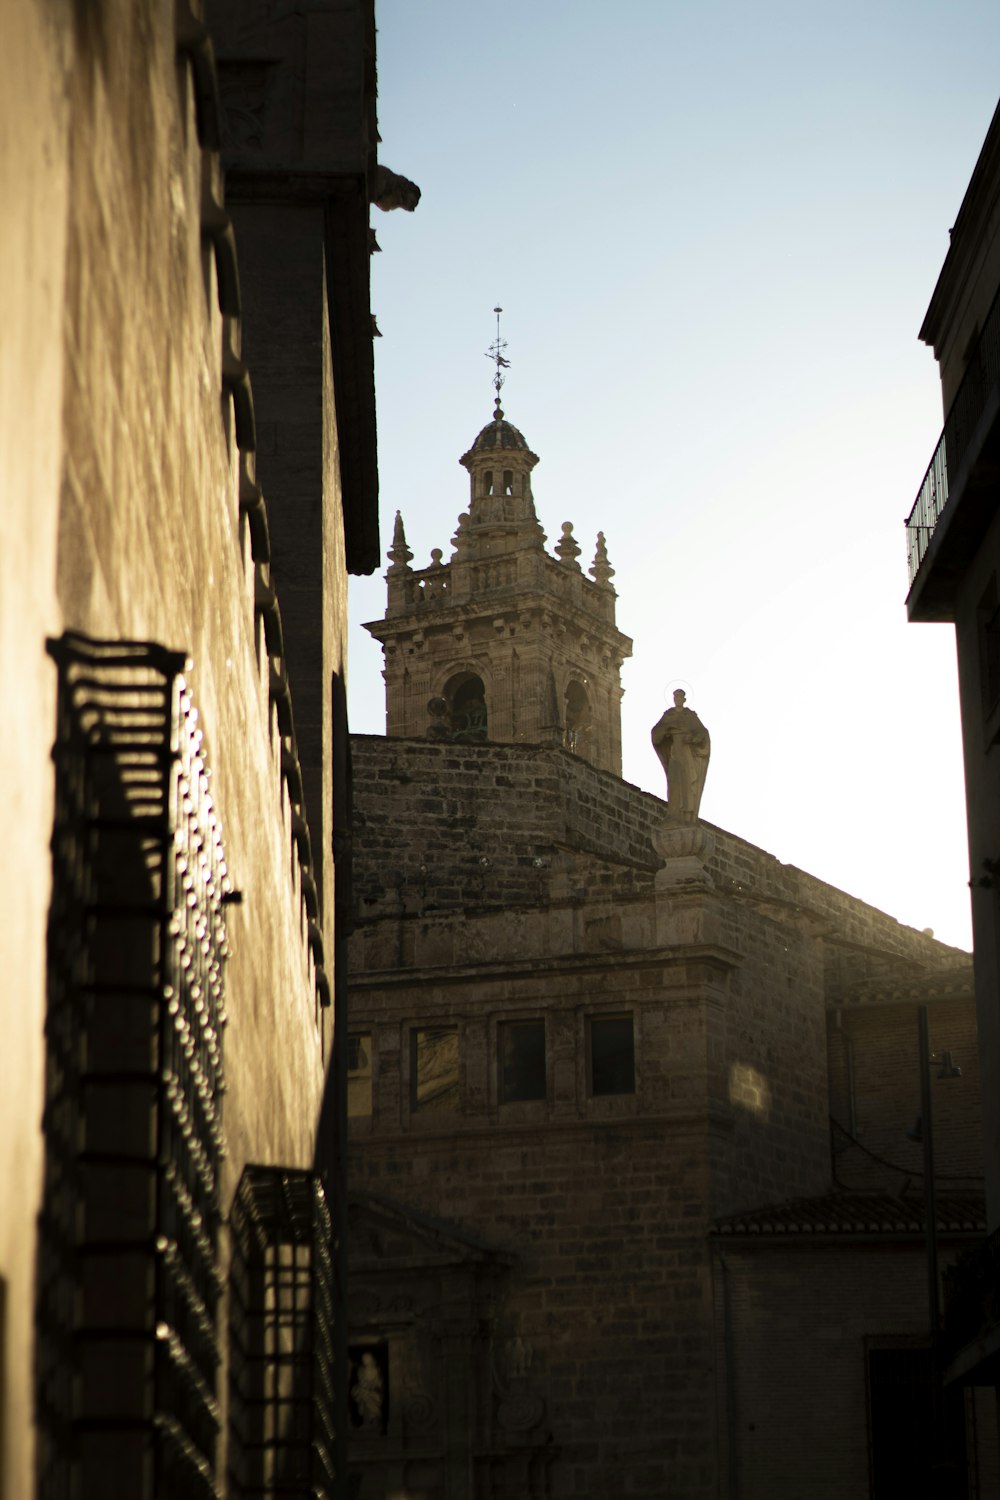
{"x":495,"y":352}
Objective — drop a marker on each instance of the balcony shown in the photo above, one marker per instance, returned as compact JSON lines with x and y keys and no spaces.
{"x":958,"y":496}
{"x":971,"y":1341}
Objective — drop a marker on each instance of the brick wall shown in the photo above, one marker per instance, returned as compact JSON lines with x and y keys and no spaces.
{"x":608,"y":1291}
{"x":502,"y":882}
{"x":883,"y":1042}
{"x":800,"y":1321}
{"x":513,"y":804}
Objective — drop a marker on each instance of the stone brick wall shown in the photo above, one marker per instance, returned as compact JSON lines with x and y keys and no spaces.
{"x":513,"y":804}
{"x":609,"y":1289}
{"x":502,"y":882}
{"x":800,"y":1321}
{"x":456,"y":804}
{"x":881,"y":1041}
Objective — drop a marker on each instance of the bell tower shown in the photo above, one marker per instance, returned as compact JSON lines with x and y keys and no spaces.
{"x":504,"y":642}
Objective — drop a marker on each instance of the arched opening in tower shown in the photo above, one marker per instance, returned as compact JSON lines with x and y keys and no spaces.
{"x":577,"y":717}
{"x":466,"y":698}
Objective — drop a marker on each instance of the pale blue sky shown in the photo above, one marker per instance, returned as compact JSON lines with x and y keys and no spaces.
{"x":714,"y":230}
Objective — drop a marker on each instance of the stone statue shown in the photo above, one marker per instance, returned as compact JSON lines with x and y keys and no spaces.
{"x":681,"y":741}
{"x":367,"y":1391}
{"x":391,"y":191}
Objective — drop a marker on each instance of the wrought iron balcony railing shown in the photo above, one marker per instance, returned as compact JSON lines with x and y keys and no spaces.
{"x":981,"y":375}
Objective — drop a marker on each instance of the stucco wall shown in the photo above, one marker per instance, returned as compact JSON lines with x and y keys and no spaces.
{"x":34,"y":176}
{"x":119,"y":472}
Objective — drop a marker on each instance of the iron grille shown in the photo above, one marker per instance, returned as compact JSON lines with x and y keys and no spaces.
{"x":128,"y":1284}
{"x":281,"y":1361}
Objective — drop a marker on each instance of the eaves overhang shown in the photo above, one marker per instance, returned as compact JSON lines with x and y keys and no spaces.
{"x":966,"y":235}
{"x":343,"y":197}
{"x":849,"y":1217}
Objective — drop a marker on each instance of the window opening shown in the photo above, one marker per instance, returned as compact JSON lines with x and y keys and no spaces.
{"x":612,"y":1055}
{"x":469,"y":719}
{"x":522,"y":1060}
{"x":435,"y":1070}
{"x":281,"y":1331}
{"x":359,"y":1075}
{"x":577,"y":716}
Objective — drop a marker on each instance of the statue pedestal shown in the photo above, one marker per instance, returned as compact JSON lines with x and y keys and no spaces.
{"x":686,"y":849}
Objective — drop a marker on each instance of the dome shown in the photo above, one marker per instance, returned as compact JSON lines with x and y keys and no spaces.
{"x":499,"y":435}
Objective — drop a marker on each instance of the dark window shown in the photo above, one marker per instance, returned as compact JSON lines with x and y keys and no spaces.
{"x":612,"y":1055}
{"x":359,"y":1075}
{"x":911,"y":1454}
{"x":577,"y":716}
{"x":488,"y":482}
{"x":435,"y":1070}
{"x":522,"y":1061}
{"x":508,"y":481}
{"x":989,"y":647}
{"x":469,"y":720}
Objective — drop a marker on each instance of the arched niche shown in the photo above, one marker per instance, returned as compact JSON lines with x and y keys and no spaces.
{"x":576,"y":716}
{"x":465,"y":695}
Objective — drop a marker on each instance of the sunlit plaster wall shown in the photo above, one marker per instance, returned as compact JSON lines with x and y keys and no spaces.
{"x":34,"y":186}
{"x":119,"y":484}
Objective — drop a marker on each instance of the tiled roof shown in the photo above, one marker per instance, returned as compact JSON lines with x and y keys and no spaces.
{"x":855,"y":1214}
{"x":951,"y":982}
{"x":499,"y":434}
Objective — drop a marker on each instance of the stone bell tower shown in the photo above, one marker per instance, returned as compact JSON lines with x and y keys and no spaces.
{"x":504,"y":642}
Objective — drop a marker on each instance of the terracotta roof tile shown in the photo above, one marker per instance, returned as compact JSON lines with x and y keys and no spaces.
{"x":846,"y":1213}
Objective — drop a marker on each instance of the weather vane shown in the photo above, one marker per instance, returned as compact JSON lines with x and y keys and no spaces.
{"x":495,"y":352}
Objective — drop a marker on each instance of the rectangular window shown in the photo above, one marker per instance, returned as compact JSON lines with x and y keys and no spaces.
{"x":435,"y":1070}
{"x":359,"y":1075}
{"x":522,"y":1060}
{"x":612,"y":1055}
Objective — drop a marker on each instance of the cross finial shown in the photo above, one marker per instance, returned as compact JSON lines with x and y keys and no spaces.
{"x":495,"y":352}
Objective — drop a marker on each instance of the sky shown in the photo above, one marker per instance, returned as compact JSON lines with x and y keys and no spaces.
{"x":714,"y":229}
